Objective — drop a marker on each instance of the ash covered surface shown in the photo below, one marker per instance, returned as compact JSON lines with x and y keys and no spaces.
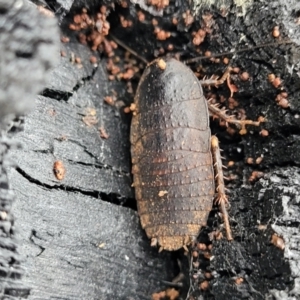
{"x":24,"y":65}
{"x":82,"y":234}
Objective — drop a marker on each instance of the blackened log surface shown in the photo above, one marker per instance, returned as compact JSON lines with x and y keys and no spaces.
{"x":268,"y":272}
{"x":60,"y":134}
{"x":75,"y":245}
{"x":69,"y":237}
{"x":270,"y":208}
{"x":282,"y":187}
{"x":65,"y":78}
{"x":28,"y":48}
{"x":78,"y":247}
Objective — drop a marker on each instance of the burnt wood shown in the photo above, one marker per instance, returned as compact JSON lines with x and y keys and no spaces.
{"x":80,"y":237}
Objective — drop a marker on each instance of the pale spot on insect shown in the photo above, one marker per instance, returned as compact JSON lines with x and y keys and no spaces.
{"x":162,"y":193}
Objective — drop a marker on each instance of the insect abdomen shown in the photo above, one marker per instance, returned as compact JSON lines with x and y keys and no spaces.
{"x":172,"y":163}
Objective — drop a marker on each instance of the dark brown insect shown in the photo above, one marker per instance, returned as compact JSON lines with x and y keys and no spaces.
{"x":59,"y":170}
{"x":172,"y":147}
{"x":171,"y":155}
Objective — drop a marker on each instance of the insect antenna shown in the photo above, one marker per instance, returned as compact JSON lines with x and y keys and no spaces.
{"x":120,"y":43}
{"x":198,"y":58}
{"x":195,"y":59}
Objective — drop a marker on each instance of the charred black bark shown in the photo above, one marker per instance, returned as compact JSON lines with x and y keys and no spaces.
{"x":80,"y":237}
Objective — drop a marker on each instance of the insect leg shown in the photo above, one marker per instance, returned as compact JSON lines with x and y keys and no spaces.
{"x":216,"y":111}
{"x":216,"y":81}
{"x":221,"y":198}
{"x":219,"y":113}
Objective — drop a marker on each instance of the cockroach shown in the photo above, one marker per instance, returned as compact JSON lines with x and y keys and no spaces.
{"x":171,"y":149}
{"x":175,"y":160}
